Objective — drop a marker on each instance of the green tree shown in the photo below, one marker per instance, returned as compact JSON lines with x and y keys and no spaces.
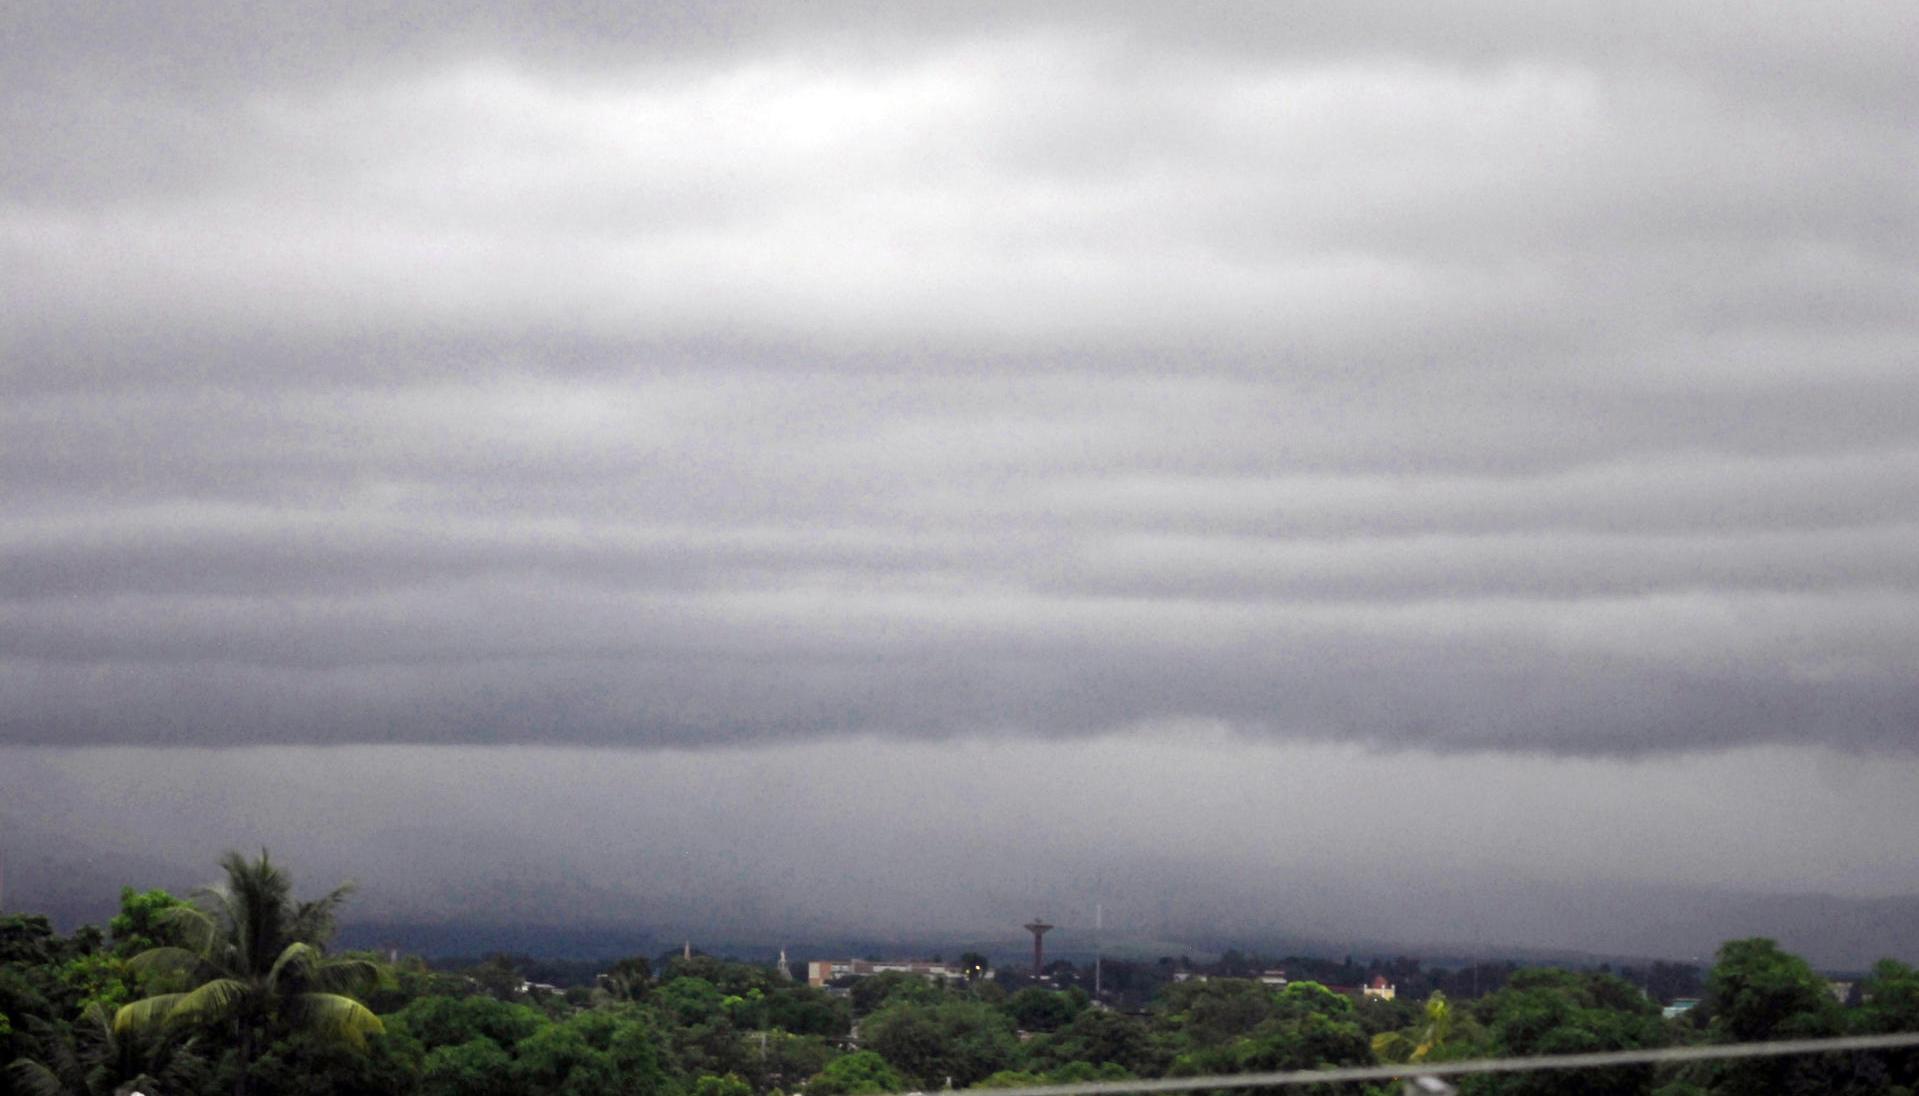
{"x":715,"y":1047}
{"x":893,"y":987}
{"x":1309,"y":1041}
{"x":630,"y":979}
{"x":1312,"y":999}
{"x":1891,"y":997}
{"x":1038,"y":1009}
{"x":560,"y":1059}
{"x":27,"y":940}
{"x":803,"y":1010}
{"x":450,"y":1021}
{"x":99,"y":978}
{"x":862,"y":1073}
{"x":255,"y":963}
{"x":728,"y":1085}
{"x":1100,"y":1038}
{"x":300,"y":1064}
{"x":143,"y":922}
{"x":1216,"y":1011}
{"x":1757,"y":991}
{"x":966,"y":1041}
{"x":603,"y":1052}
{"x":1305,"y":1026}
{"x":1075,"y":1073}
{"x":690,"y":1001}
{"x":1547,"y":1011}
{"x":786,"y":1059}
{"x":477,"y":1067}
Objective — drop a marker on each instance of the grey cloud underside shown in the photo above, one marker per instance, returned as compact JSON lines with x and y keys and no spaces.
{"x":456,"y":662}
{"x":1520,"y":380}
{"x":1854,"y":47}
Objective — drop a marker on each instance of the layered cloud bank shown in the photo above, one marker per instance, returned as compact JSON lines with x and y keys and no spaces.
{"x":1517,"y":382}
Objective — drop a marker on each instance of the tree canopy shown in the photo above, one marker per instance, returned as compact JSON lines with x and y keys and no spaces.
{"x":234,"y":991}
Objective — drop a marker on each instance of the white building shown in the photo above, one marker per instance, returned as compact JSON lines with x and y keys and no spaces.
{"x":821,"y":971}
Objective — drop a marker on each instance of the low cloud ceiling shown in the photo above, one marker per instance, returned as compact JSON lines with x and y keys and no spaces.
{"x":1518,"y":380}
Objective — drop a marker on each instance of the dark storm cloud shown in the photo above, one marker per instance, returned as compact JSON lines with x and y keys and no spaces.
{"x":1520,"y":378}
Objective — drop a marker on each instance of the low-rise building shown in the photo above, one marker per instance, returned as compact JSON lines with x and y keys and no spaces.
{"x":819,"y":972}
{"x":1266,"y":977}
{"x":1679,"y":1007}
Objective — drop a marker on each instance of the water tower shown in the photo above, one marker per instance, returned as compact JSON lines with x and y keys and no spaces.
{"x":1038,"y":928}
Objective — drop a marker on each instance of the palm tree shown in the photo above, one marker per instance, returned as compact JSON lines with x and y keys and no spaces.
{"x":1420,"y":1040}
{"x":255,"y":960}
{"x":93,"y":1060}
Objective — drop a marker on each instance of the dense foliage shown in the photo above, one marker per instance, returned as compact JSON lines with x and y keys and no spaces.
{"x":235,"y":992}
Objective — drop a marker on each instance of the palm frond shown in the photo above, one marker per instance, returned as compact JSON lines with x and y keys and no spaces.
{"x":146,"y":1014}
{"x":260,"y":908}
{"x":59,"y":1048}
{"x":65,"y":1059}
{"x":258,"y":955}
{"x":165,"y":961}
{"x":181,"y":1068}
{"x":336,"y":1017}
{"x":294,"y":961}
{"x":350,"y":976}
{"x":195,"y":926}
{"x":313,"y":921}
{"x":1392,"y":1046}
{"x":209,"y":1002}
{"x":226,"y":946}
{"x":98,"y":1020}
{"x":59,"y":1055}
{"x":34,"y":1079}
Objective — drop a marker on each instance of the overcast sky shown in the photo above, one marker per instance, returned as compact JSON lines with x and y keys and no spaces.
{"x":1201,"y":405}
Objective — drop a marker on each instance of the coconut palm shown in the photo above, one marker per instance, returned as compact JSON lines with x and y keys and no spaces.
{"x":1417,"y":1042}
{"x":254,"y":962}
{"x":91,"y":1059}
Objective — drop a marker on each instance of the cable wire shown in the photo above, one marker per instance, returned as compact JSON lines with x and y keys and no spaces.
{"x":1593,"y":1060}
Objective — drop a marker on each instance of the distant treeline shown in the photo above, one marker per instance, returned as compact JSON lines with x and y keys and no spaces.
{"x":235,"y":992}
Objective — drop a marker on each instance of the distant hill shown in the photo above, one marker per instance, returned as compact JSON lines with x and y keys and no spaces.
{"x":554,"y":910}
{"x":436,"y":940}
{"x":1593,"y":924}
